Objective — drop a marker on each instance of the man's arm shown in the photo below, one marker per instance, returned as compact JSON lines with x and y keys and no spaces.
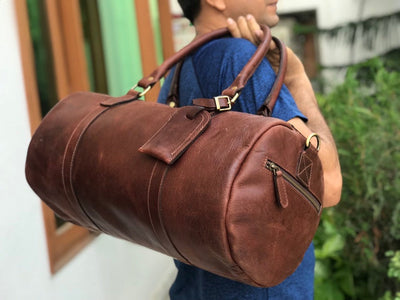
{"x":300,"y":87}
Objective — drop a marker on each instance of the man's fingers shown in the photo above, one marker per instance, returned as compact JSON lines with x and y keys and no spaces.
{"x":248,"y":28}
{"x":272,"y":46}
{"x":233,"y":28}
{"x":245,"y":30}
{"x":255,"y":28}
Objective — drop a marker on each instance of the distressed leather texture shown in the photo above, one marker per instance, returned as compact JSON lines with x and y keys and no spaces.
{"x":182,"y":181}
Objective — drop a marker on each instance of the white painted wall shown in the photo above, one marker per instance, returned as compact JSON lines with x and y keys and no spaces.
{"x":108,"y":269}
{"x":332,"y":13}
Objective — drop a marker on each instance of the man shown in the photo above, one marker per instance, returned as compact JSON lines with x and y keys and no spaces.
{"x":206,"y":74}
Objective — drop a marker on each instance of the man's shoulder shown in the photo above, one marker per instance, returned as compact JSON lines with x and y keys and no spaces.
{"x":232,"y":42}
{"x":227,"y":48}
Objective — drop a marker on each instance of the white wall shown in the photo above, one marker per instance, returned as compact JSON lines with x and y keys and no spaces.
{"x":332,"y":13}
{"x":108,"y":269}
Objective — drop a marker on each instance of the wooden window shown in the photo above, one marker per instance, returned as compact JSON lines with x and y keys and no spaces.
{"x":148,"y":29}
{"x":51,"y":54}
{"x":294,"y":30}
{"x":63,"y":49}
{"x":94,"y":46}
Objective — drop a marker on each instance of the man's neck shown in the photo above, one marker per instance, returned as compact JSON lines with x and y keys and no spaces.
{"x":209,"y":19}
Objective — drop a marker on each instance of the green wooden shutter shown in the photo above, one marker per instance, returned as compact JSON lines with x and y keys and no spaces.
{"x":121,"y":45}
{"x":155,"y":18}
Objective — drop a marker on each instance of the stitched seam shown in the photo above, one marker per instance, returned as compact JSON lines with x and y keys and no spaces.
{"x":72,"y":164}
{"x":68,"y":179}
{"x":283,"y":186}
{"x":149,"y":188}
{"x":66,"y":159}
{"x":305,"y":199}
{"x":306,"y":182}
{"x":189,"y":137}
{"x":300,"y":169}
{"x":159,"y":200}
{"x":64,"y":178}
{"x":148,"y":195}
{"x":162,"y":127}
{"x":311,"y":170}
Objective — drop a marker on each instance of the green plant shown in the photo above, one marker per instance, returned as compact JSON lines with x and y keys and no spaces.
{"x":353,"y":238}
{"x":333,"y":280}
{"x":393,"y":272}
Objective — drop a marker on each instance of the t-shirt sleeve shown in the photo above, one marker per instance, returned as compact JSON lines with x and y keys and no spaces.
{"x":224,"y":59}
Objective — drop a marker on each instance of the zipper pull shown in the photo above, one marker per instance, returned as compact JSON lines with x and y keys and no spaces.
{"x":279,"y":184}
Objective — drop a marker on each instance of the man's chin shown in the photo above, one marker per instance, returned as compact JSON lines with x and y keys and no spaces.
{"x":275,"y":21}
{"x":271,"y":22}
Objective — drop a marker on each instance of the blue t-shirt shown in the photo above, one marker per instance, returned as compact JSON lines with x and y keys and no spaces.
{"x":205,"y":74}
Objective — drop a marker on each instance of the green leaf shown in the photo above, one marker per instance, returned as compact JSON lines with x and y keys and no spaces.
{"x":331,"y":247}
{"x":328,"y":291}
{"x":346,"y":281}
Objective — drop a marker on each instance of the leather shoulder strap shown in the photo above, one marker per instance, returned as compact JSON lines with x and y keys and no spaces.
{"x":269,"y":103}
{"x":147,"y":82}
{"x":222,"y":103}
{"x":173,"y":94}
{"x":265,"y":109}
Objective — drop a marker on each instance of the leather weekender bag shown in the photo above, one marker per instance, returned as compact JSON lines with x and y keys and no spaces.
{"x":236,"y":194}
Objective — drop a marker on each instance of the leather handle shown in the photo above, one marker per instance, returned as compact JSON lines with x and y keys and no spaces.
{"x":225,"y":101}
{"x":158,"y":73}
{"x":251,"y":66}
{"x":147,"y":82}
{"x":269,"y":103}
{"x":173,"y":94}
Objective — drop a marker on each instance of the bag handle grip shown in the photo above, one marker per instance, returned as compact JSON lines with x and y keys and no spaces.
{"x":218,"y":104}
{"x":147,"y":82}
{"x":269,"y":103}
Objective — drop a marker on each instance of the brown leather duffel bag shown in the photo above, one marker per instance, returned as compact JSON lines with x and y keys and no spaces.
{"x":236,"y":194}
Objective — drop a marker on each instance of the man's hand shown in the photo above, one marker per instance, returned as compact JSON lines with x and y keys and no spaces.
{"x":300,"y":87}
{"x":248,"y":28}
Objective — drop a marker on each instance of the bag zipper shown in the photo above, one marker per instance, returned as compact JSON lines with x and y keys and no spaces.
{"x":277,"y":171}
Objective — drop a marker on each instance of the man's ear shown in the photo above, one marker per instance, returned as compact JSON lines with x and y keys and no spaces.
{"x":217,"y":4}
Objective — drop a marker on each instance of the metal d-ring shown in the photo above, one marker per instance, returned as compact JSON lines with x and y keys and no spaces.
{"x":308,"y":141}
{"x":144,"y":91}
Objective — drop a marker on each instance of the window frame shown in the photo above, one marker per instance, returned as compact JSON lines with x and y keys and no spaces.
{"x":66,"y":35}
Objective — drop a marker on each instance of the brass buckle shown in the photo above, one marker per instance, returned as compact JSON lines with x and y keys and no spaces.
{"x":143,"y":92}
{"x":218,"y":105}
{"x":229,"y":100}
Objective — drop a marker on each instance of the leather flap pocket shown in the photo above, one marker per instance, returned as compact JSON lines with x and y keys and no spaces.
{"x":176,"y":135}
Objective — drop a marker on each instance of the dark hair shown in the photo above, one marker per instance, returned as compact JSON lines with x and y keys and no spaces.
{"x":191,"y":8}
